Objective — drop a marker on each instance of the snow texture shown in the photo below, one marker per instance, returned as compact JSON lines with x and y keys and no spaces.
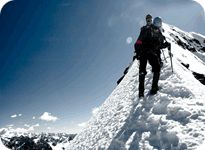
{"x":2,"y":147}
{"x":173,"y":119}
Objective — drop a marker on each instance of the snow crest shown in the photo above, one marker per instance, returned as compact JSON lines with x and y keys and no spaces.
{"x":174,"y":118}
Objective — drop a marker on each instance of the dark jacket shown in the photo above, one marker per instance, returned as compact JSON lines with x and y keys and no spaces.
{"x":150,"y":40}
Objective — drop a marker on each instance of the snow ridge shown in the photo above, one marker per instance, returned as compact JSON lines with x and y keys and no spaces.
{"x":174,"y":118}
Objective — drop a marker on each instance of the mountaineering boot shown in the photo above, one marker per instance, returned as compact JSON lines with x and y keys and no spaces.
{"x":155,"y":80}
{"x":141,"y":84}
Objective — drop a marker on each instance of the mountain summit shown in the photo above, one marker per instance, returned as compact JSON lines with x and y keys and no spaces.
{"x":174,"y":118}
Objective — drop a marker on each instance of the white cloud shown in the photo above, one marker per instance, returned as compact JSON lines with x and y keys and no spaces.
{"x":10,"y":125}
{"x":83,"y":124}
{"x":10,"y":130}
{"x":49,"y":128}
{"x":14,"y":116}
{"x":26,"y":125}
{"x":129,"y":40}
{"x":36,"y":125}
{"x":19,"y":130}
{"x":33,"y":117}
{"x":31,"y":127}
{"x":48,"y":117}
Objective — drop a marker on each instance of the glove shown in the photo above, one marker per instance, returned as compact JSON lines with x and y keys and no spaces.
{"x":166,"y":45}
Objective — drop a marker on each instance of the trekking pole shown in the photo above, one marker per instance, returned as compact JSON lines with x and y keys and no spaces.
{"x":164,"y":56}
{"x":170,"y":55}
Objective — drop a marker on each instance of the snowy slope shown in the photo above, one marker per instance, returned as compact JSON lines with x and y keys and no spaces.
{"x":187,"y":47}
{"x":2,"y":147}
{"x":172,"y":119}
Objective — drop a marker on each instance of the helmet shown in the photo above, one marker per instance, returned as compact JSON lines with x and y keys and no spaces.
{"x":157,"y":22}
{"x":148,"y":16}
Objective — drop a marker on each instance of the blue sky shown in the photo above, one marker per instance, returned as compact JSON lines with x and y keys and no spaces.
{"x":64,"y":57}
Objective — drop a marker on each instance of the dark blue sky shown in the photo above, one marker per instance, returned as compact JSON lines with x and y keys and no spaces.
{"x":65,"y":56}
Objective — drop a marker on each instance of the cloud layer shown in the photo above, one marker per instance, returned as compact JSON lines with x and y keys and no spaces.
{"x":48,"y":117}
{"x":15,"y":115}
